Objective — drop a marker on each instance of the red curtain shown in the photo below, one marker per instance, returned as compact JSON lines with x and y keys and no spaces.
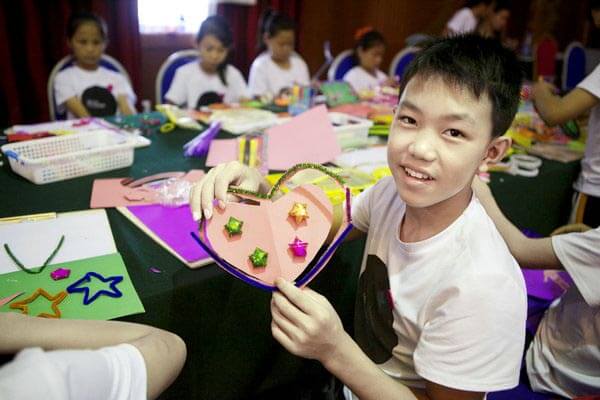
{"x":33,"y":40}
{"x":244,"y":24}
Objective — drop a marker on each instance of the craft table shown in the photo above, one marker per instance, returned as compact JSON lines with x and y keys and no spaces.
{"x":226,"y":323}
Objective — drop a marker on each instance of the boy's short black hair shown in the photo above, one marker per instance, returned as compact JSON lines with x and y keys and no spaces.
{"x":594,"y":5}
{"x":79,"y":18}
{"x":482,"y":65}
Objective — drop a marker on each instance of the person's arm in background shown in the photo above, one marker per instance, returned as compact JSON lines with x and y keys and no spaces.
{"x":124,"y":106}
{"x":530,"y":253}
{"x":76,"y":107}
{"x":555,"y":109}
{"x":164,"y":352}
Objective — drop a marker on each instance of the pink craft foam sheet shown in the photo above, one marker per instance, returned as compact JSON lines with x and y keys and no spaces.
{"x":173,"y":225}
{"x":268,"y":226}
{"x":111,"y":192}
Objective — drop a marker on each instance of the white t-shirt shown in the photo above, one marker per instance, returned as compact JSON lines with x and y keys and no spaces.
{"x":110,"y":373}
{"x":450,"y":309}
{"x":266,"y":77}
{"x":73,"y":82}
{"x":191,"y":82}
{"x":463,"y":21}
{"x":589,"y":178}
{"x":564,"y":357}
{"x":361,"y":80}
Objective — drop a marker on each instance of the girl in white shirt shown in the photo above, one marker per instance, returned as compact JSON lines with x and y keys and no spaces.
{"x":278,"y":67}
{"x":86,"y":88}
{"x":368,"y":52}
{"x":211,"y":79}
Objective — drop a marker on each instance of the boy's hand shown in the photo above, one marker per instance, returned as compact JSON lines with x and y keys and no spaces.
{"x":304,"y":322}
{"x":215,"y":184}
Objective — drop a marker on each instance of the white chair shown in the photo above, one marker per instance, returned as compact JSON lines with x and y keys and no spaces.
{"x":166,"y":73}
{"x":401,"y":61}
{"x":341,"y":64}
{"x":106,"y":61}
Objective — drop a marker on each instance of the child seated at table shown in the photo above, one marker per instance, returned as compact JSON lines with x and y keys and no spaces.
{"x":87,"y":88}
{"x":466,"y":19}
{"x":564,"y":356}
{"x":368,"y":54}
{"x":76,"y":359}
{"x":278,"y":67}
{"x":554,"y":109}
{"x":441,"y":303}
{"x":211,"y":79}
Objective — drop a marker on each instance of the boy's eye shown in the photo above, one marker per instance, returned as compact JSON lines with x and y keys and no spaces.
{"x":454,"y":133}
{"x":407,"y":120}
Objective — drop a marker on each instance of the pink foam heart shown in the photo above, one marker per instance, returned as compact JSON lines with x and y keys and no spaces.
{"x":268,"y":226}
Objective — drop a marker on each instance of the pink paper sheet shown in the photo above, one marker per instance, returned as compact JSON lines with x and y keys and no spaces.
{"x":309,"y":137}
{"x":221,"y":151}
{"x":111,"y":193}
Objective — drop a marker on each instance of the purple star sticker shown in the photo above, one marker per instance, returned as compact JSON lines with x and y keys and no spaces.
{"x":60,"y":273}
{"x":298,"y":247}
{"x":113,"y":292}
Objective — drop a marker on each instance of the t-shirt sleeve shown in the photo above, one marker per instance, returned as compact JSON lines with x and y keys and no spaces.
{"x":257,"y":80}
{"x":122,"y":87}
{"x":591,"y":83}
{"x":177,"y":91}
{"x":303,"y":74}
{"x":64,"y":88}
{"x":579,"y":253}
{"x":237,"y":84}
{"x":461,"y":22}
{"x":475,"y":335}
{"x":110,"y":373}
{"x":362,"y":204}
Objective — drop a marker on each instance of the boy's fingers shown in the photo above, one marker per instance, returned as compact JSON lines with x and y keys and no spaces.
{"x":195,"y":200}
{"x":295,"y":295}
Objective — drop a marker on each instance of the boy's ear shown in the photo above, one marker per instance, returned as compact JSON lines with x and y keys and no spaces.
{"x":495,"y":151}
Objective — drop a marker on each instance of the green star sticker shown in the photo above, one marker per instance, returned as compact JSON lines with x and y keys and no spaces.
{"x":259,"y":257}
{"x":234,"y":226}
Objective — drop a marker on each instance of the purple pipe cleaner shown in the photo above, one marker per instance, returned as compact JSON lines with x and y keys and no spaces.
{"x":198,"y":146}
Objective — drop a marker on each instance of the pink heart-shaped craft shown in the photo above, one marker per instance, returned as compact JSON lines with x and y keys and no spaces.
{"x":268,"y":226}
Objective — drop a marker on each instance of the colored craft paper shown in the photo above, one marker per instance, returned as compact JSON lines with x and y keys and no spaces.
{"x":269,"y":227}
{"x":308,"y":137}
{"x":546,"y":284}
{"x":170,"y":227}
{"x":221,"y":151}
{"x":87,"y":234}
{"x":72,"y":307}
{"x":359,"y":110}
{"x":112,"y":193}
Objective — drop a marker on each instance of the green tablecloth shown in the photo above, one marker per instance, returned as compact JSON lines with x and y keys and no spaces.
{"x":226,"y":323}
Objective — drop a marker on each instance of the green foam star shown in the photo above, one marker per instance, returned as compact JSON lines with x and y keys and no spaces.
{"x":259,"y":257}
{"x":234,"y":226}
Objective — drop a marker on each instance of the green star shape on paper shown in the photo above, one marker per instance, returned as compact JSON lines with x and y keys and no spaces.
{"x":234,"y":226}
{"x":259,"y":258}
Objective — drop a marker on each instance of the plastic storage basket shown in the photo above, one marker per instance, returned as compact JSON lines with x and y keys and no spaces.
{"x":351,"y":131}
{"x":65,"y":157}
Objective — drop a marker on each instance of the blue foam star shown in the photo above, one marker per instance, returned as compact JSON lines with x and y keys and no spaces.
{"x":113,"y":292}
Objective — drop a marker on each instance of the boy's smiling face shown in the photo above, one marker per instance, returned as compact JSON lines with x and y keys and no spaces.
{"x":441,"y":135}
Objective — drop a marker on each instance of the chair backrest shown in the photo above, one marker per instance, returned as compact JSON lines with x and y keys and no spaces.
{"x":401,"y":61}
{"x":106,"y":61}
{"x":166,"y":73}
{"x":341,"y":64}
{"x":573,"y":70}
{"x":545,"y":58}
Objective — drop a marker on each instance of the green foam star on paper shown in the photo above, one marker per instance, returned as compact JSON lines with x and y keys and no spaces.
{"x":259,"y":257}
{"x":234,"y":226}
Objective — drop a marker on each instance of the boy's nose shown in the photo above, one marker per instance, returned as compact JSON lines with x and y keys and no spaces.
{"x":422,"y":148}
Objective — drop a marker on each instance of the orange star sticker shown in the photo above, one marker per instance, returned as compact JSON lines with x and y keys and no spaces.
{"x":299,"y":212}
{"x":56,"y":299}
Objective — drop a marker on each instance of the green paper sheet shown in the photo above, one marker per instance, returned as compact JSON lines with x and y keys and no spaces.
{"x":72,"y":307}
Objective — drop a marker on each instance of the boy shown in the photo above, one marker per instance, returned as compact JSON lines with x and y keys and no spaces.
{"x":564,"y":357}
{"x":441,"y":306}
{"x":555,"y":109}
